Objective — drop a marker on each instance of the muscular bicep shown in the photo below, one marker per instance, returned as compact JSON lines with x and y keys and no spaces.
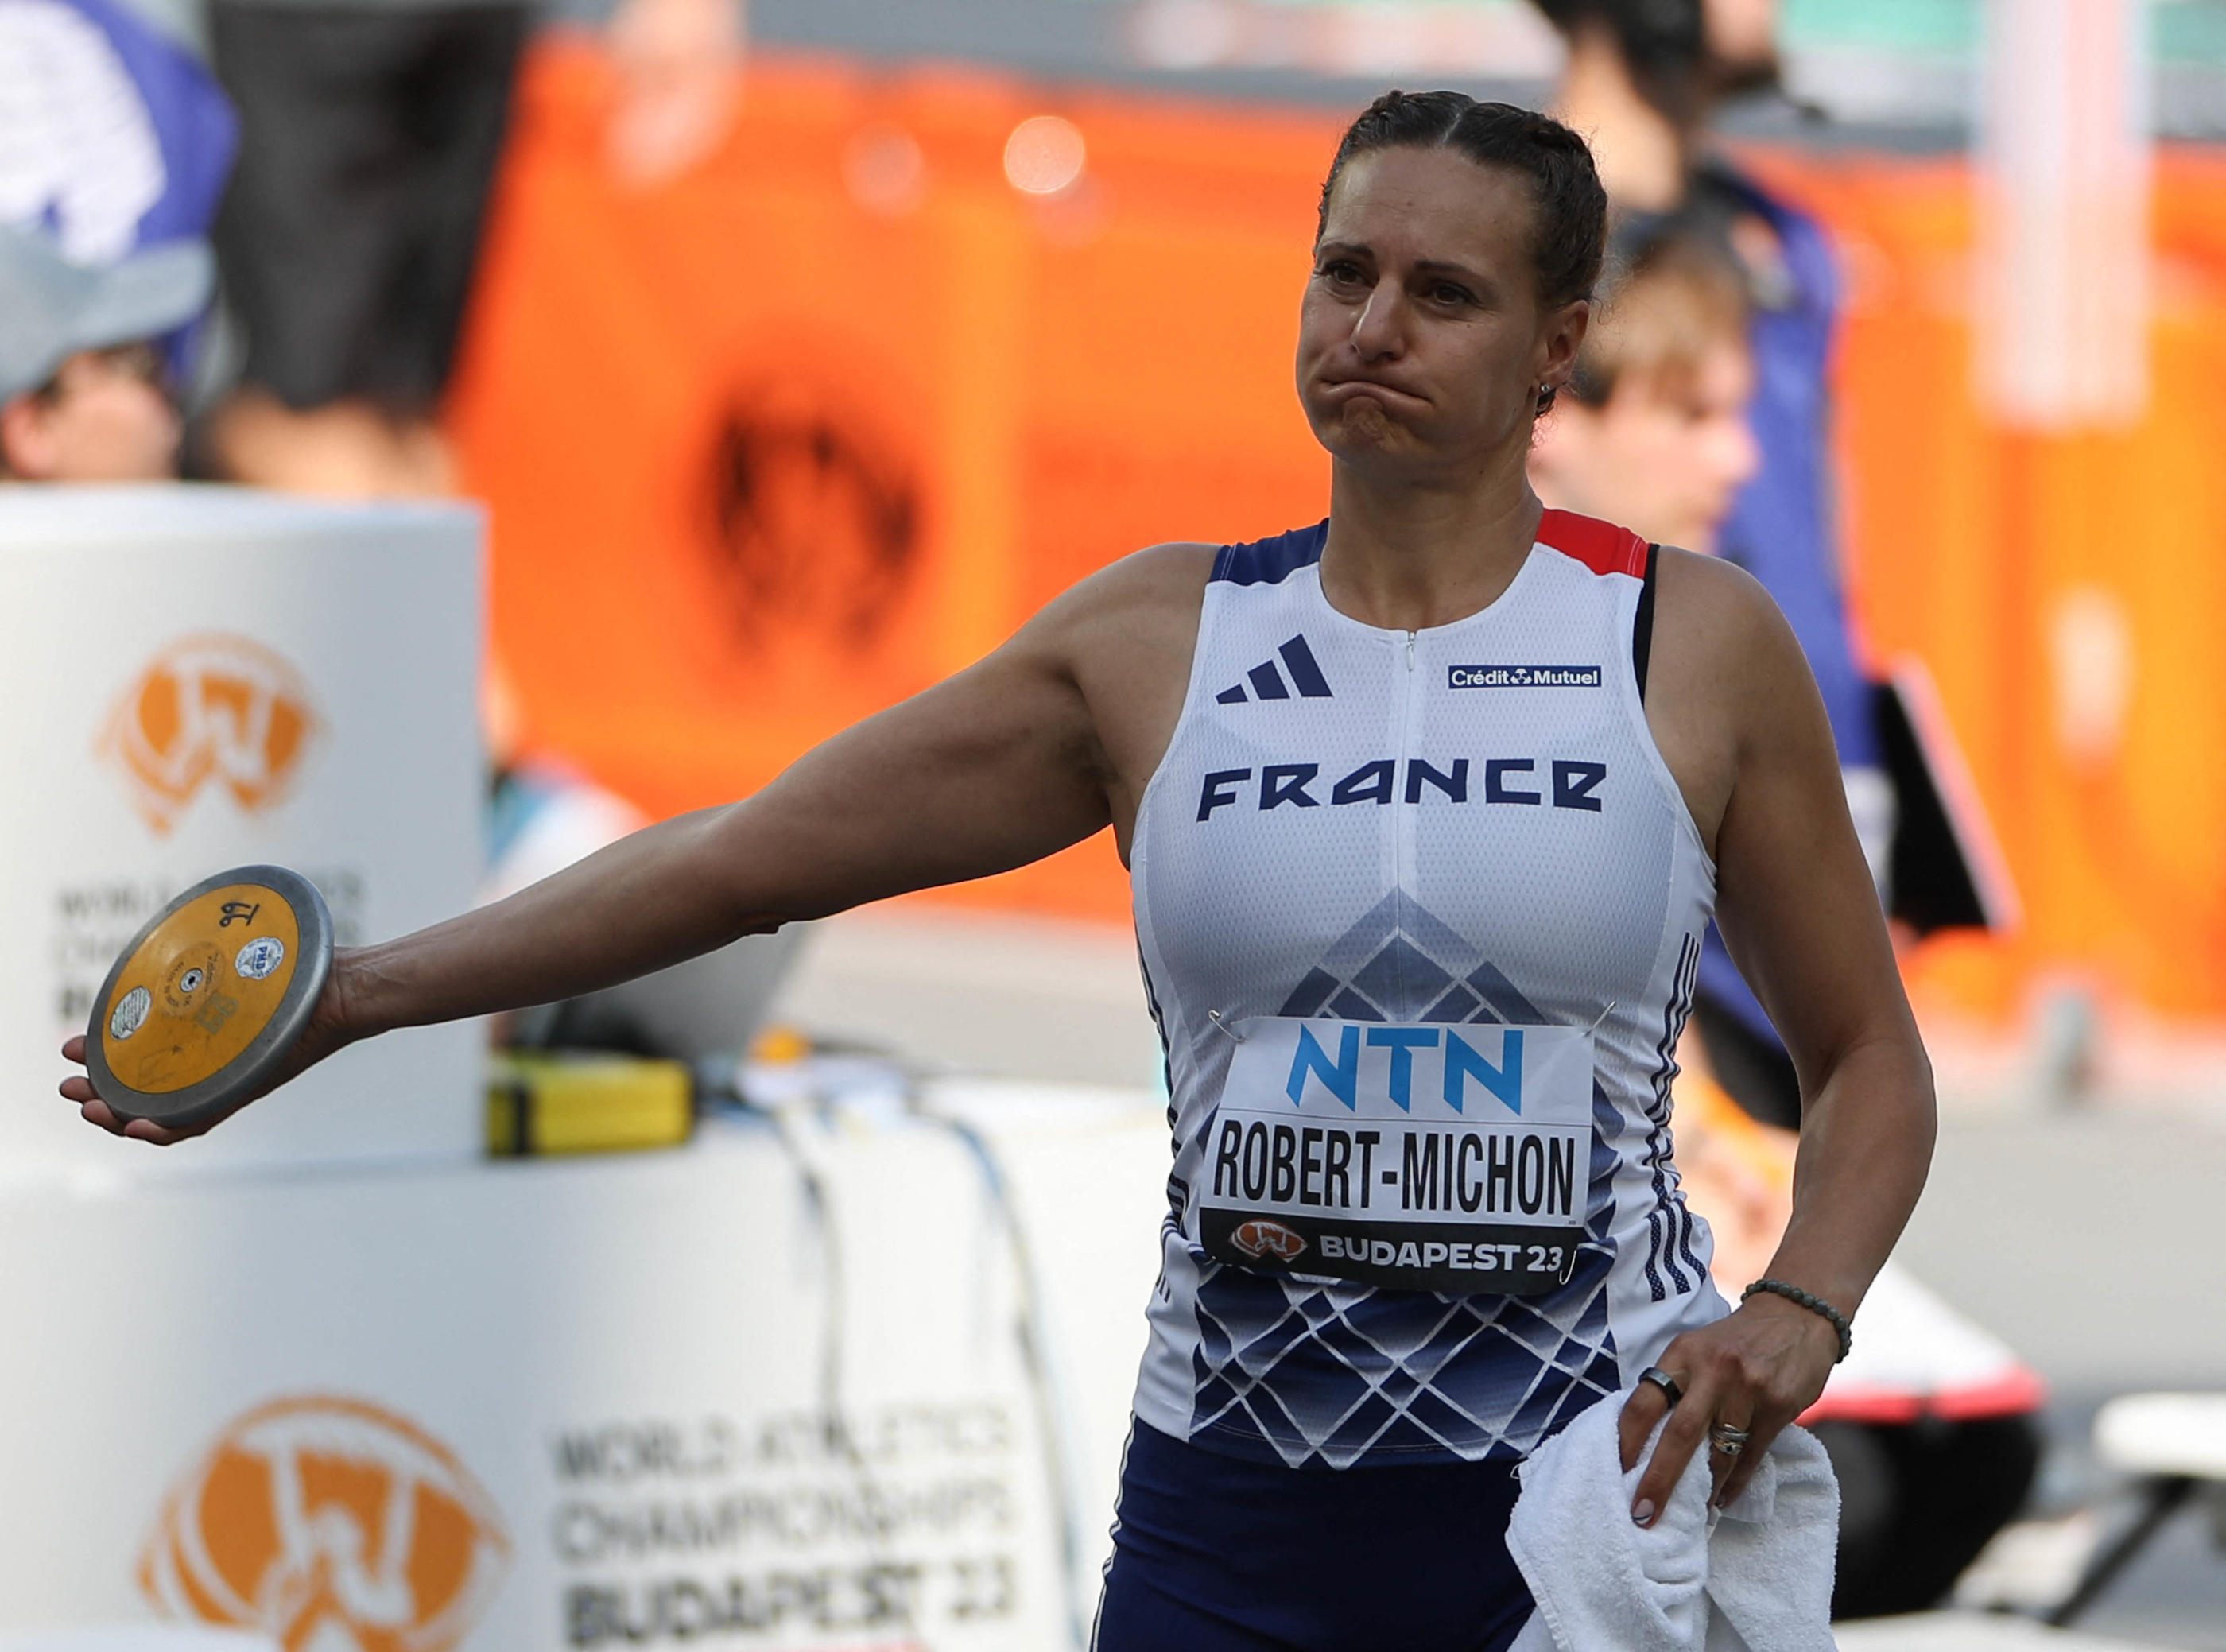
{"x":1795,"y":897}
{"x":988,"y":770}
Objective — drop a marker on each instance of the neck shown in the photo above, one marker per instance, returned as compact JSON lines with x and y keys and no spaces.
{"x":1406,"y":557}
{"x":1640,"y":152}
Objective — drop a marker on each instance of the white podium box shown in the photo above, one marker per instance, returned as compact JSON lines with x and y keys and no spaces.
{"x":540,"y":1405}
{"x":203,"y":676}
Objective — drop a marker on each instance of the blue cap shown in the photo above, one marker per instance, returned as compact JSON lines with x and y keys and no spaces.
{"x":115,"y":143}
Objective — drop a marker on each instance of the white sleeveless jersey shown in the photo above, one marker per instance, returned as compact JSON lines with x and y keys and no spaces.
{"x":1420,"y":915}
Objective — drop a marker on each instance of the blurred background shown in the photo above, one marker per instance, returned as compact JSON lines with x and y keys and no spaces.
{"x":780,"y":361}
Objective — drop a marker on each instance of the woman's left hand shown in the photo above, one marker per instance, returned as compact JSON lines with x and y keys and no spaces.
{"x":1757,"y":1369}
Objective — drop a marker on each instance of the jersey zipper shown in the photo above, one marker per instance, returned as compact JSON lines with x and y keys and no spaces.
{"x":1403,"y":819}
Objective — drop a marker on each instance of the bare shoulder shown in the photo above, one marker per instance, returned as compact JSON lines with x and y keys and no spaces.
{"x":1155,"y":586}
{"x":1726,"y":676}
{"x":1124,"y":637}
{"x":1716,"y":628}
{"x":1709,"y":600}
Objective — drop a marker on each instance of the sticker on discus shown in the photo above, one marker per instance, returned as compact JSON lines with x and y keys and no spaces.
{"x":129,"y":1014}
{"x":260,"y":956}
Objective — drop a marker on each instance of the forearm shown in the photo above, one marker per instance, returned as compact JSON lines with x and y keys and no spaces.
{"x":1866,"y":1138}
{"x":651,"y":899}
{"x":974,"y":777}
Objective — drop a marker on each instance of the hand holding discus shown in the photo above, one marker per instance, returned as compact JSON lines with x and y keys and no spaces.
{"x":227,"y":993}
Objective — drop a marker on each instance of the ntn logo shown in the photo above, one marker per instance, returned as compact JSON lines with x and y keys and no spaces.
{"x":1461,"y":1063}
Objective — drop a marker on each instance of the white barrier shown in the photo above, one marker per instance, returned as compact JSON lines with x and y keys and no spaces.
{"x":198,"y":677}
{"x":553,"y":1404}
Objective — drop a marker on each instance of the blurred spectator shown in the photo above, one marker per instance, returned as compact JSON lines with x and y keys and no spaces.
{"x":1644,"y":78}
{"x":114,"y":143}
{"x":372,"y":133}
{"x":1652,"y":432}
{"x":84,"y":393}
{"x":1930,"y":1463}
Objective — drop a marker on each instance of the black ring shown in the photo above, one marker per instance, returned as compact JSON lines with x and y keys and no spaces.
{"x":1663,"y":1380}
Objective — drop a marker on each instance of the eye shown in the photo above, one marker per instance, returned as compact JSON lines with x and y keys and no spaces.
{"x":1451,"y":293}
{"x":1342,"y":272}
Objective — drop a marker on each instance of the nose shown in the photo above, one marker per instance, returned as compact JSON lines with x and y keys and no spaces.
{"x":1379,"y":330}
{"x":1737,"y":454}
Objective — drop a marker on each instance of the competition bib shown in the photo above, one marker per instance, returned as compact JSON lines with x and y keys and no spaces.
{"x":1427,"y":1158}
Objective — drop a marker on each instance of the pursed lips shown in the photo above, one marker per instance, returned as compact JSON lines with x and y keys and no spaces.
{"x":1347,"y":388}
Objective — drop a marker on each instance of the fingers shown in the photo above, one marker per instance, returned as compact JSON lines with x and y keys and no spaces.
{"x":1640,"y":1413}
{"x":1752,"y":1371}
{"x":148,"y":1130}
{"x":1734,"y":1410}
{"x":91,"y":1108}
{"x":73,"y":1048}
{"x":1681,"y":1437}
{"x":1732,"y":1485}
{"x":95,"y":1111}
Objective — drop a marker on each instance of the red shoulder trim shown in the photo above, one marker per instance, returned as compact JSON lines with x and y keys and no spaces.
{"x":1601,"y":546}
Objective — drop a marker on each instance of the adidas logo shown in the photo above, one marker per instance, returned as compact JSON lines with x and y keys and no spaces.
{"x":1268,"y":683}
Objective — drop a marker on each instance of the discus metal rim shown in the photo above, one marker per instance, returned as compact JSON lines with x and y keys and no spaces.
{"x":210,"y":1098}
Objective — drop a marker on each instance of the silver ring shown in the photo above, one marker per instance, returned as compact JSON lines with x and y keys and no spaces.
{"x":1663,"y":1380}
{"x":1728,"y":1438}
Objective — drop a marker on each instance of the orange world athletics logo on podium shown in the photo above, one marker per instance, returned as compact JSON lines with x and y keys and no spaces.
{"x":211,"y":708}
{"x":332,"y":1525}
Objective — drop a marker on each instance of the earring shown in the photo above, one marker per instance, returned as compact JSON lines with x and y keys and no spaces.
{"x":1546,"y":393}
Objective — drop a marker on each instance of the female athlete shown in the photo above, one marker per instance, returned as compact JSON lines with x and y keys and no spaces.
{"x":1427,"y":807}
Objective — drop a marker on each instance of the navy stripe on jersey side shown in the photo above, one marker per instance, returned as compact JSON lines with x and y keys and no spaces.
{"x":1666,"y":1221}
{"x":1270,"y":562}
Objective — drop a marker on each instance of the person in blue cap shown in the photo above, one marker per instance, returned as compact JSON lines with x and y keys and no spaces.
{"x":113,"y":150}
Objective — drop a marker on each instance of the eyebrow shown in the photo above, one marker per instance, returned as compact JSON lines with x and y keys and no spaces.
{"x":1423,"y":266}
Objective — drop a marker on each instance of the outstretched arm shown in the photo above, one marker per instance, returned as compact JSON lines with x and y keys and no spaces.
{"x":998,"y":766}
{"x":1797,"y":907}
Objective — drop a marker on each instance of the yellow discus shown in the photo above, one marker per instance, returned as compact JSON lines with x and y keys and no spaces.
{"x":205,"y":1003}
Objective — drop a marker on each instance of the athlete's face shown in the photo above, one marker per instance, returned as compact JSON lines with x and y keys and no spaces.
{"x":1421,"y":344}
{"x":1664,"y":457}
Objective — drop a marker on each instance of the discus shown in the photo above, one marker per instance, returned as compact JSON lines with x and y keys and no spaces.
{"x":204,"y":1004}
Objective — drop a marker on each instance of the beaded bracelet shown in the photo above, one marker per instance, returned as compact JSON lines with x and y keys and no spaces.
{"x":1815,"y":1304}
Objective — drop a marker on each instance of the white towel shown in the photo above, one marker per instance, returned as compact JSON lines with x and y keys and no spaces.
{"x":1755,"y":1578}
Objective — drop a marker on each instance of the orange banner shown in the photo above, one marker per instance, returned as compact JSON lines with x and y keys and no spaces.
{"x":775,"y":445}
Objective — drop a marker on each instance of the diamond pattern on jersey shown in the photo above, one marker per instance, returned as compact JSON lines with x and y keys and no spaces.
{"x":1317,"y":1370}
{"x":1268,"y":683}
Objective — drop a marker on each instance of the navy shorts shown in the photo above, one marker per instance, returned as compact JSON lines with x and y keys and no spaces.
{"x":1215,"y":1553}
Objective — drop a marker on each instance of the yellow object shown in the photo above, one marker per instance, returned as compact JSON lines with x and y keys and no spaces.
{"x":576,"y":1102}
{"x":779,"y":1045}
{"x":208,"y":980}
